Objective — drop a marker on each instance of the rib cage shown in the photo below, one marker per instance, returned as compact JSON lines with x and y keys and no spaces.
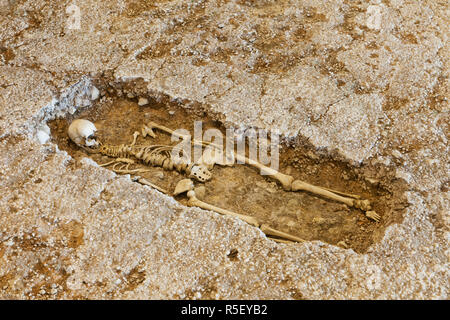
{"x":150,"y":155}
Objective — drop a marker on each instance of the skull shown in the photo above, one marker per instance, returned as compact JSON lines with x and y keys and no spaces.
{"x":82,"y":133}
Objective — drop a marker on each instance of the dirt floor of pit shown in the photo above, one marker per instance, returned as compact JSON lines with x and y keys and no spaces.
{"x":243,"y":190}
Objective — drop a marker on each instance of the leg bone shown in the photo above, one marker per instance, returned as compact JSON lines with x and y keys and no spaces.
{"x":364,"y":205}
{"x":279,"y":240}
{"x":148,"y":183}
{"x":299,"y":185}
{"x":354,"y":196}
{"x":272,"y":232}
{"x":194,"y":202}
{"x":287,"y":181}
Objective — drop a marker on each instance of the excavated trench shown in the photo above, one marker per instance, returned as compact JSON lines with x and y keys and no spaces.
{"x":241,"y":188}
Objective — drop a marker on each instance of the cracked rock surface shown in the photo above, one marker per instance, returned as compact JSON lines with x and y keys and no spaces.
{"x":366,"y":80}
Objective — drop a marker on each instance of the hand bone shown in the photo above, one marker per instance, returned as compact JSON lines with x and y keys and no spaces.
{"x":373,"y":215}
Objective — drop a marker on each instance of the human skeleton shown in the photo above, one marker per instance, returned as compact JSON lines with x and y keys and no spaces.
{"x":82,"y":133}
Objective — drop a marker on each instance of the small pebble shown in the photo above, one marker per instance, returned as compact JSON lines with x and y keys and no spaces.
{"x":42,"y":136}
{"x":372,"y":180}
{"x":397,"y":154}
{"x":319,"y":220}
{"x":72,"y":110}
{"x":45,"y":128}
{"x":142,"y":102}
{"x":291,"y":224}
{"x":95,"y":93}
{"x":311,"y":155}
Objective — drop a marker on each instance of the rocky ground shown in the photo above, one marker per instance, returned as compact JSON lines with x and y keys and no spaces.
{"x":365,"y":81}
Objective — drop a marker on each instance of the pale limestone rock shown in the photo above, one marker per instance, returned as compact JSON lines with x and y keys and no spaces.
{"x":142,"y":102}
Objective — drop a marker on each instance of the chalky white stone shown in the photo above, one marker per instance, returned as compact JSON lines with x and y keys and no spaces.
{"x":142,"y":102}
